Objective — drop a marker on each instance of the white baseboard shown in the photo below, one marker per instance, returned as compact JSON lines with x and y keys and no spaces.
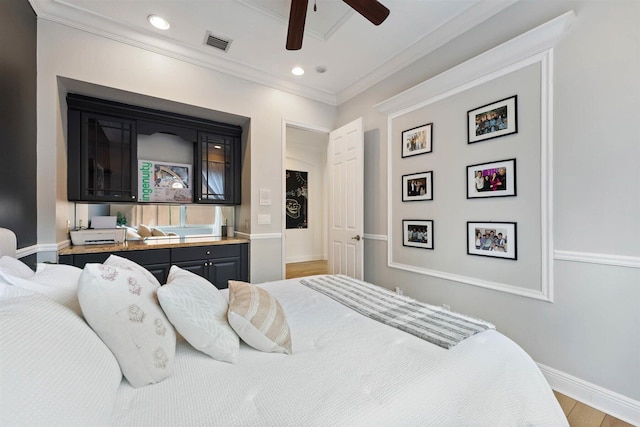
{"x":607,"y":401}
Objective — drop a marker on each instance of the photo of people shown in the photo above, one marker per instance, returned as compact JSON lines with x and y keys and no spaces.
{"x":417,"y":186}
{"x":492,"y":239}
{"x":495,"y":179}
{"x":492,"y":120}
{"x":417,"y":140}
{"x":418,"y":233}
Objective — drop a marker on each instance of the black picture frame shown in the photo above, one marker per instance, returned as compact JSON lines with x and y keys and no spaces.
{"x":484,"y":239}
{"x":493,"y":120}
{"x":417,"y":186}
{"x":417,"y":233}
{"x":417,"y":140}
{"x":492,"y":179}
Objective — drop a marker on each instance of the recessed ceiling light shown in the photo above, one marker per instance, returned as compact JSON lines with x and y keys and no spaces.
{"x":297,"y":71}
{"x":159,"y":22}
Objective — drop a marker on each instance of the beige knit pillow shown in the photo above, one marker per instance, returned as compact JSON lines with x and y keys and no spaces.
{"x":258,"y":318}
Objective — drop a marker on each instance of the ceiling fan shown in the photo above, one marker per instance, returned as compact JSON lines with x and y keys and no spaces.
{"x":373,"y":10}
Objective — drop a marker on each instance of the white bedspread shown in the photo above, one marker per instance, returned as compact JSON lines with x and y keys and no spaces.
{"x":347,"y":370}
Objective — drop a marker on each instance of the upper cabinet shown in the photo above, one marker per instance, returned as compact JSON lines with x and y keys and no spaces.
{"x":102,"y":151}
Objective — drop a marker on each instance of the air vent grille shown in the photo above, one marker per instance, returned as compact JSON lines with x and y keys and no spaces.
{"x":217,"y":42}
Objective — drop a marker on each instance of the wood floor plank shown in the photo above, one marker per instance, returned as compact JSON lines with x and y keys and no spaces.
{"x":610,"y":421}
{"x":585,"y":416}
{"x":307,"y":268}
{"x":566,"y":403}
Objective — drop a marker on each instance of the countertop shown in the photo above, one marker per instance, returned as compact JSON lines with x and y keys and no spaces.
{"x":152,"y":243}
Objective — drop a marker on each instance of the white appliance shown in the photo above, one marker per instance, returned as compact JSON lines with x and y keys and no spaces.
{"x":100,"y":236}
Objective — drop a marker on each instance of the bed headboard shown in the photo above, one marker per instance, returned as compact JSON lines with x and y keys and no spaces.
{"x":8,"y":242}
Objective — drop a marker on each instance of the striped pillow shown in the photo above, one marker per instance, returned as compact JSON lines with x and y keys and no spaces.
{"x":258,"y":318}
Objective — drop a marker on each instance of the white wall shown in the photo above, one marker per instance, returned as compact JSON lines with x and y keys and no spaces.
{"x":67,"y":53}
{"x":307,"y":151}
{"x":590,"y":334}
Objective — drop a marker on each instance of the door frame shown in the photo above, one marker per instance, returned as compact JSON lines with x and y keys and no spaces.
{"x":283,"y":188}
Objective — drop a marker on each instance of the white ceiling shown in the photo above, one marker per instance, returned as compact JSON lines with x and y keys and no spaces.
{"x":355,"y":53}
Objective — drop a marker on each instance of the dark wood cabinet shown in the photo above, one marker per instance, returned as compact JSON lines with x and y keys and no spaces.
{"x":157,"y":261}
{"x":219,"y":166}
{"x":216,"y":263}
{"x":103,"y":157}
{"x":102,"y":153}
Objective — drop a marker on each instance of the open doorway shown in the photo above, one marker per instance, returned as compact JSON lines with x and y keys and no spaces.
{"x":305,"y":222}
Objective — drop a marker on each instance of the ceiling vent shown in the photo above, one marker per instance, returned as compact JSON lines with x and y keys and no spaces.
{"x":217,"y":42}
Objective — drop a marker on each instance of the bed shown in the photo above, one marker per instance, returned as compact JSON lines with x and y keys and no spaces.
{"x":345,"y":369}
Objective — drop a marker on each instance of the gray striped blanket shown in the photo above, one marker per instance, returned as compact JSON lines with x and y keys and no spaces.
{"x":431,"y":323}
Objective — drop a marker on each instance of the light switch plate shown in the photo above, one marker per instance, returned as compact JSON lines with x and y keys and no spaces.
{"x":265,"y":197}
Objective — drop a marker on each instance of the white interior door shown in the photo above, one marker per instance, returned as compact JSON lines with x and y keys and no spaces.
{"x":345,"y":160}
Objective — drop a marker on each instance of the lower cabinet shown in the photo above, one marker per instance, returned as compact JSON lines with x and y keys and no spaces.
{"x":216,"y":263}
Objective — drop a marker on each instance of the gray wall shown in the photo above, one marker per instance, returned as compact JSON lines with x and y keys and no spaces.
{"x":18,"y":120}
{"x":591,"y":330}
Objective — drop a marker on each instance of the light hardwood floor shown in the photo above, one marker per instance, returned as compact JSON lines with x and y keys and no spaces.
{"x":308,"y":268}
{"x":578,"y":414}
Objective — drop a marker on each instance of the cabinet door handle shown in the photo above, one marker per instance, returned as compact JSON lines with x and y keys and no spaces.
{"x":208,"y":252}
{"x":133,"y":197}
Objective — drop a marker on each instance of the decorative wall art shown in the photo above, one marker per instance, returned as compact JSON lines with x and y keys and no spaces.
{"x":493,"y":120}
{"x":417,"y":140}
{"x":164,"y":182}
{"x":492,"y":239}
{"x":297,"y":199}
{"x":417,"y":233}
{"x":494,"y":179}
{"x":417,"y":186}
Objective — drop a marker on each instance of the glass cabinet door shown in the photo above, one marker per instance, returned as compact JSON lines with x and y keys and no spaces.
{"x":216,"y":158}
{"x":108,"y":158}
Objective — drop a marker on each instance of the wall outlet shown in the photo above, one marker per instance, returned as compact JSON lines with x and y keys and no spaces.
{"x":399,"y":291}
{"x":446,"y":307}
{"x":264,"y":219}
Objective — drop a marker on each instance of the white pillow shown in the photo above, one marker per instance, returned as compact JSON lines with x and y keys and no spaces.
{"x":198,"y":311}
{"x":55,"y":369}
{"x":14,"y":267}
{"x":121,"y":306}
{"x":9,"y":291}
{"x":127,"y":264}
{"x":57,"y":281}
{"x":258,"y":318}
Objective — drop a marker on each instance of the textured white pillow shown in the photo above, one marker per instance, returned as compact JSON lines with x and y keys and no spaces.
{"x":57,"y":281}
{"x":258,"y":318}
{"x":121,"y":306}
{"x":198,"y":311}
{"x":14,"y":267}
{"x":127,"y":264}
{"x":54,"y":368}
{"x":9,"y":291}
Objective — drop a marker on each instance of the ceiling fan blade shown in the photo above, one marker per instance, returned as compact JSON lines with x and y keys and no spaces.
{"x":297,"y":16}
{"x":373,"y":10}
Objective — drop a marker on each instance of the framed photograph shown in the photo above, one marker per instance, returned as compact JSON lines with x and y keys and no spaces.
{"x":417,"y":186}
{"x":417,"y":233}
{"x":417,"y":140}
{"x":493,"y":120}
{"x":494,"y":179}
{"x":492,"y":239}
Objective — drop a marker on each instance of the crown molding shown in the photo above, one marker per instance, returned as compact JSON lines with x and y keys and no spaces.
{"x":61,"y":13}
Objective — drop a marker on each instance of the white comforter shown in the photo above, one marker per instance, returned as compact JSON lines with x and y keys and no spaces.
{"x":347,"y":370}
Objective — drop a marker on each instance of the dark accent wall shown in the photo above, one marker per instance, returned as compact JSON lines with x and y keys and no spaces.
{"x":18,"y":186}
